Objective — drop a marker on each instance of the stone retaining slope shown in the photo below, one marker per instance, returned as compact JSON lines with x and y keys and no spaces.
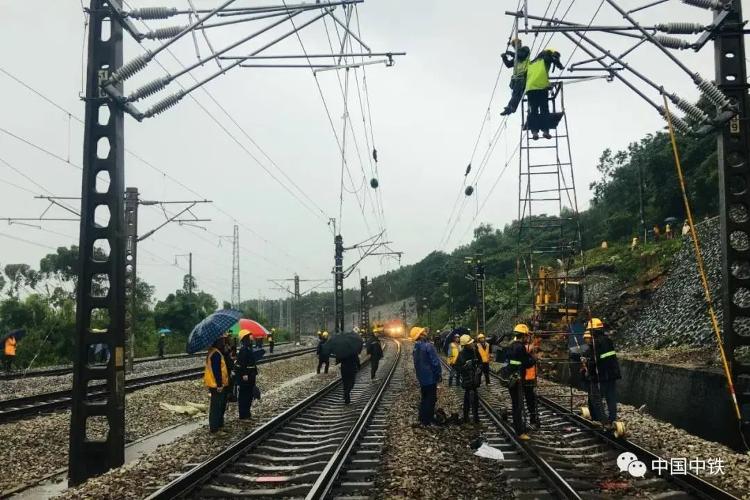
{"x":677,"y":313}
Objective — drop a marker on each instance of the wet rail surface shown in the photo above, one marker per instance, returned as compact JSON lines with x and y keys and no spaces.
{"x":571,"y":457}
{"x":64,"y":370}
{"x":12,"y":409}
{"x":316,"y":449}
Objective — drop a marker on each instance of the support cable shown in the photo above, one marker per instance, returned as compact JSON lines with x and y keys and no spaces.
{"x":702,"y":271}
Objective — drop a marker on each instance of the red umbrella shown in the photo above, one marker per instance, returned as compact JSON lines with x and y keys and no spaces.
{"x":257,"y":330}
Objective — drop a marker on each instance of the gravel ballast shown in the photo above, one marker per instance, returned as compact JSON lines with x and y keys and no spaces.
{"x":141,"y":477}
{"x":22,"y":387}
{"x":669,"y":441}
{"x":433,"y":462}
{"x":41,"y":443}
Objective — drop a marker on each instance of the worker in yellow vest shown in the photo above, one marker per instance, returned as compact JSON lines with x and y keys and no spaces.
{"x":9,"y":352}
{"x":452,"y":357}
{"x":519,"y":61}
{"x":216,"y":379}
{"x":484,"y":349}
{"x":537,"y":91}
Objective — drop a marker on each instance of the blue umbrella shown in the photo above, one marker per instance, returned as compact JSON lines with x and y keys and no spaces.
{"x":164,"y":330}
{"x":207,"y":331}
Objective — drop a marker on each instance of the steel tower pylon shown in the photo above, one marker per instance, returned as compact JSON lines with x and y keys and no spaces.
{"x":236,"y":267}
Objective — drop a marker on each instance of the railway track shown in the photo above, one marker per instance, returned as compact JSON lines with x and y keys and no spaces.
{"x":13,"y":409}
{"x":570,"y":457}
{"x":573,"y":458}
{"x":315,"y":449}
{"x":65,"y":370}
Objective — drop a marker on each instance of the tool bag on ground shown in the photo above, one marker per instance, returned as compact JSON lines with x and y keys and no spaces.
{"x":471,"y":374}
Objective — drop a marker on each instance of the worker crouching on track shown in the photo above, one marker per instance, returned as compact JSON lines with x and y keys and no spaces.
{"x":246,"y":372}
{"x":216,"y":379}
{"x":452,"y":357}
{"x":484,"y":350}
{"x":322,"y":358}
{"x":429,"y":374}
{"x":603,"y":372}
{"x":521,"y":368}
{"x":468,"y":365}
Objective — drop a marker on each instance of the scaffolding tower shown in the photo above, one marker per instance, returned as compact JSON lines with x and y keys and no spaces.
{"x":549,"y":297}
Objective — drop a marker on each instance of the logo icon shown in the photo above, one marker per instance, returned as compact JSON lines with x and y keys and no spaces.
{"x":625,"y":459}
{"x":637,"y":469}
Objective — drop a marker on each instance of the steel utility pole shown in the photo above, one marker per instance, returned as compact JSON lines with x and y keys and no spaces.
{"x":131,"y":273}
{"x":236,"y":267}
{"x":103,"y":153}
{"x":296,"y":305}
{"x":132,"y":207}
{"x":734,"y":177}
{"x":338,"y":285}
{"x":297,"y":310}
{"x":190,"y":270}
{"x":364,"y":311}
{"x":478,"y":278}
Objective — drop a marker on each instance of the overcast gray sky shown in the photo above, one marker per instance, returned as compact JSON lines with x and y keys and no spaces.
{"x":427,"y":111}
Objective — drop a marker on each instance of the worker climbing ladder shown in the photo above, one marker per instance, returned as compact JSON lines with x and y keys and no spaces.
{"x":549,"y":293}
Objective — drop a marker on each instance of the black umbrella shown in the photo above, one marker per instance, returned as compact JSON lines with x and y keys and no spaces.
{"x":342,"y":345}
{"x":18,"y":334}
{"x":671,"y":220}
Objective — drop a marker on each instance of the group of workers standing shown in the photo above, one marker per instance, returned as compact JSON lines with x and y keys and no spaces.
{"x":531,"y":77}
{"x":228,"y":368}
{"x":469,"y":362}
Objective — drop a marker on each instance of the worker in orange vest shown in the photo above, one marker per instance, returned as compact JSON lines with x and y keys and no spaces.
{"x":521,"y":360}
{"x":484,"y":349}
{"x":10,"y":352}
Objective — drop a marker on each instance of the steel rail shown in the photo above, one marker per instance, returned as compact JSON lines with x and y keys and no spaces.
{"x":191,"y":480}
{"x":556,"y":482}
{"x":11,"y":409}
{"x":688,"y":482}
{"x":69,"y":368}
{"x":560,"y":486}
{"x":326,"y":481}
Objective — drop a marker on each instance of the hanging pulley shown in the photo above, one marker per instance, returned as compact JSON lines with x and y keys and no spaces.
{"x":374,"y":183}
{"x":469,"y":190}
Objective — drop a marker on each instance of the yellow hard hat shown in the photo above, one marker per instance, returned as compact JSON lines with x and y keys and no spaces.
{"x":244,"y":333}
{"x":273,"y":329}
{"x":594,"y":324}
{"x":481,"y":336}
{"x":587,"y":335}
{"x":465,"y":340}
{"x":521,"y":328}
{"x":325,"y":335}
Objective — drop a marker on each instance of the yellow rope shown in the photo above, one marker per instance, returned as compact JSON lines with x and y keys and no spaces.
{"x":699,"y":261}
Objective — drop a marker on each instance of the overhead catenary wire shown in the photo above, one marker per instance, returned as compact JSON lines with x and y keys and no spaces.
{"x":345,"y":97}
{"x":128,"y":151}
{"x":172,"y":178}
{"x":328,"y":114}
